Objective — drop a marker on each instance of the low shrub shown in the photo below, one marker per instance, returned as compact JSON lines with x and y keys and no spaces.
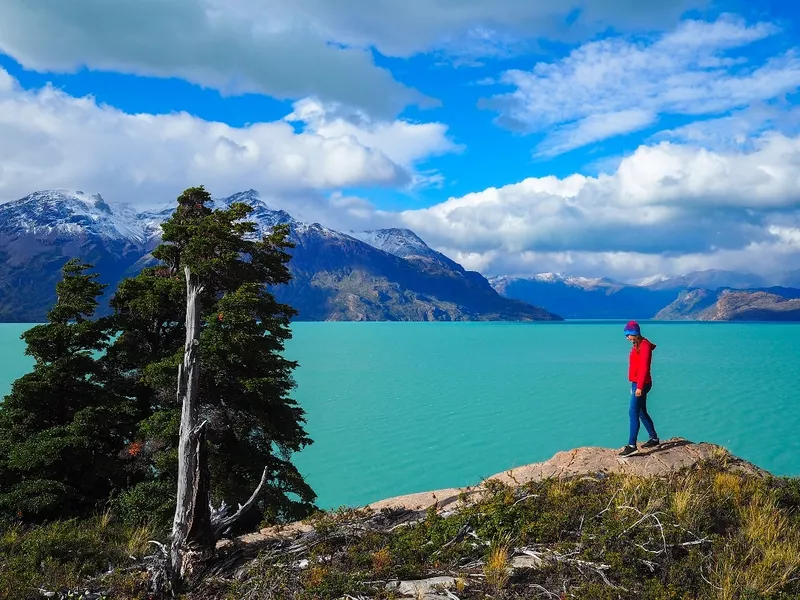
{"x":65,"y":555}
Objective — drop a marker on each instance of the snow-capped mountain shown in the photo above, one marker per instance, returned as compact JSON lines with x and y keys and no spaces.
{"x":335,"y":275}
{"x":63,"y":212}
{"x":262,"y":215}
{"x":265,"y":217}
{"x":602,"y":298}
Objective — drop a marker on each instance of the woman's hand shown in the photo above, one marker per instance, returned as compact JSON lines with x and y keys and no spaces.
{"x":638,"y":393}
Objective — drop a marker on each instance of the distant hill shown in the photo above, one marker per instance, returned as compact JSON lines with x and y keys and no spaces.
{"x":386,"y":275}
{"x":770,"y":304}
{"x":585,"y":298}
{"x":658,"y":297}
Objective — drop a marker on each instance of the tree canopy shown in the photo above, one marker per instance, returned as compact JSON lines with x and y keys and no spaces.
{"x":97,"y":418}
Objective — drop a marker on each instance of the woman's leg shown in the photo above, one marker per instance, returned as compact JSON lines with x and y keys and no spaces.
{"x":634,"y":414}
{"x":645,"y":416}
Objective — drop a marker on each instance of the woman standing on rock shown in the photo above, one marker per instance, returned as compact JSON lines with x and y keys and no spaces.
{"x":641,"y":382}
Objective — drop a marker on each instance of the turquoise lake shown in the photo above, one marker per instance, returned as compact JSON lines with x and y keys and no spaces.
{"x":396,"y":408}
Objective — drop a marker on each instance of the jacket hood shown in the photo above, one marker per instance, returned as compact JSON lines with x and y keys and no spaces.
{"x":645,"y":340}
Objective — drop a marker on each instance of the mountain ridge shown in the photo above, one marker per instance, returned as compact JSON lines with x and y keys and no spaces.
{"x":336,"y":276}
{"x":684,"y":297}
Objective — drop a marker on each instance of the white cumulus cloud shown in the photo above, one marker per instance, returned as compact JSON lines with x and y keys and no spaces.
{"x":404,"y":143}
{"x":49,"y":139}
{"x":667,"y":205}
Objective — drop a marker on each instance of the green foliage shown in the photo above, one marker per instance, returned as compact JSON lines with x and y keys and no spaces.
{"x":245,"y":385}
{"x":62,"y":432}
{"x":63,"y":554}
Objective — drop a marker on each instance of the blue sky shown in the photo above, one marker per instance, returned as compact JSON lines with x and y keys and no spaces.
{"x":598,"y":137}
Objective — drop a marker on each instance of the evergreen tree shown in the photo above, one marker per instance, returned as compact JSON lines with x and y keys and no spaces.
{"x":62,"y":433}
{"x":245,"y":381}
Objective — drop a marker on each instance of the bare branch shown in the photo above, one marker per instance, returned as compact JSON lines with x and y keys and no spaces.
{"x":223,"y":523}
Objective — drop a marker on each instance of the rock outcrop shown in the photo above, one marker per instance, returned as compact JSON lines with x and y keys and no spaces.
{"x":673,"y":455}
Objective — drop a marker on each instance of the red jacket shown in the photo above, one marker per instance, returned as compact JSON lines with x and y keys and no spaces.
{"x":639,"y":363}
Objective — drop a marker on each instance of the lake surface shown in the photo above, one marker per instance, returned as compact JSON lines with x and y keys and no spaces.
{"x":396,"y":408}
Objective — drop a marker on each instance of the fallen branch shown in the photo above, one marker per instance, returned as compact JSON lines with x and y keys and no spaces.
{"x":608,"y":506}
{"x":563,"y":558}
{"x":716,"y":587}
{"x":544,"y":590}
{"x":525,"y":498}
{"x":693,"y":543}
{"x":644,"y":518}
{"x":649,"y":564}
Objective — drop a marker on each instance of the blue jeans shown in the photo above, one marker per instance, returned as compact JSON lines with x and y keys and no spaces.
{"x":638,"y":410}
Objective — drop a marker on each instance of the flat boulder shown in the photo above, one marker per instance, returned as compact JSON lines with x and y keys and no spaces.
{"x":671,"y":456}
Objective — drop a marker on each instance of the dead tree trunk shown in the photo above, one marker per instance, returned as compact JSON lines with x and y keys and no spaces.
{"x":192,"y":534}
{"x":197,"y":525}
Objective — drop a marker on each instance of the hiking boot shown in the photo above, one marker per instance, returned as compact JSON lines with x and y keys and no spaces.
{"x":651,"y":443}
{"x":628,"y":450}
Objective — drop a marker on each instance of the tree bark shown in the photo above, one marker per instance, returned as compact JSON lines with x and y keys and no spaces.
{"x":196,"y":525}
{"x":192,"y":534}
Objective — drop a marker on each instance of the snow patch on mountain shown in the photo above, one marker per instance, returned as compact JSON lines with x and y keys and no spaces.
{"x":652,"y":280}
{"x":400,"y":242}
{"x":562,"y":278}
{"x":404,"y":243}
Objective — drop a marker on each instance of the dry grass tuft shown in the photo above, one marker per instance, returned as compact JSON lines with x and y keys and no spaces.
{"x":316,"y":576}
{"x":461,"y":584}
{"x":720,"y":455}
{"x":105,"y":519}
{"x":632,"y":490}
{"x":560,"y":489}
{"x":139,"y":540}
{"x":767,"y":557}
{"x":496,"y":570}
{"x":727,"y":485}
{"x":688,"y":502}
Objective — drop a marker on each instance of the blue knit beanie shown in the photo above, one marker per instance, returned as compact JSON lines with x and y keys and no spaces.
{"x":632,"y":328}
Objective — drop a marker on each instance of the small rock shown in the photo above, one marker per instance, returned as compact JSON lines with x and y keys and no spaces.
{"x":418,"y":587}
{"x":526,"y":561}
